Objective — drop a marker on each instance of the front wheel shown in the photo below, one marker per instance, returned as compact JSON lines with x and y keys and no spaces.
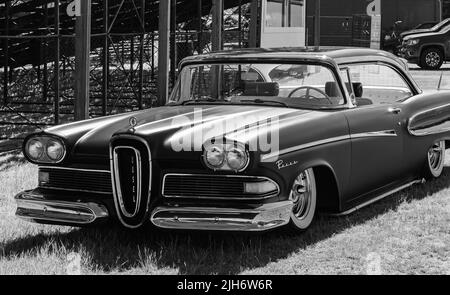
{"x":431,"y":59}
{"x":304,"y":196}
{"x":435,"y":160}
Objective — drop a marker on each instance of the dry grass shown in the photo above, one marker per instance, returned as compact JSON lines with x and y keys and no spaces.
{"x":408,"y":231}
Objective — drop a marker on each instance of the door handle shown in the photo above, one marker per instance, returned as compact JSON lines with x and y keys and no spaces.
{"x":395,"y":111}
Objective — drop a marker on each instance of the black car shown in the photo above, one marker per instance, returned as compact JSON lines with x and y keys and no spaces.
{"x":426,"y":28}
{"x":249,"y":140}
{"x":428,"y":50}
{"x":393,"y":40}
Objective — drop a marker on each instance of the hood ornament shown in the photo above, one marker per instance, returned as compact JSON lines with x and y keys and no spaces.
{"x":133,"y":123}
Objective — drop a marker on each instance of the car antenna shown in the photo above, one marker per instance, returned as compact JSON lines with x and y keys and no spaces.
{"x":440,"y":81}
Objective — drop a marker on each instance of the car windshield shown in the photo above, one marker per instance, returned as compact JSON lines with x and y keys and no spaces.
{"x":307,"y":86}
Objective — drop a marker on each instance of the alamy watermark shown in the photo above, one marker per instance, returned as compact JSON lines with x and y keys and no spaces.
{"x":258,"y":132}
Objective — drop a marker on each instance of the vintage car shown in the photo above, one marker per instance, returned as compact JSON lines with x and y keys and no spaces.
{"x":249,"y":140}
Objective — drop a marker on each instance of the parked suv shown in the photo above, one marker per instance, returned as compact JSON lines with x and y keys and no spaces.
{"x":428,"y":50}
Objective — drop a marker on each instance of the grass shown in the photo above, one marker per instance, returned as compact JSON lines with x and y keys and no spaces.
{"x":409,"y":233}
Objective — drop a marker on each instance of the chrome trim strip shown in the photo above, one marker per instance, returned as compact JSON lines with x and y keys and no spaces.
{"x":218,"y":176}
{"x":275,"y":155}
{"x":32,"y":207}
{"x":119,"y":187}
{"x":263,"y":218}
{"x":74,"y":169}
{"x":370,"y":202}
{"x":132,"y":137}
{"x":384,"y":133}
{"x":75,"y":190}
{"x":418,"y":133}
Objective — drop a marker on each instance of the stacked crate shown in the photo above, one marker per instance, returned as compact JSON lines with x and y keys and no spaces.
{"x":362,"y":26}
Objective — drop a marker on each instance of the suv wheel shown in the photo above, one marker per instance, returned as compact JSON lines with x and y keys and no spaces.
{"x":431,"y":59}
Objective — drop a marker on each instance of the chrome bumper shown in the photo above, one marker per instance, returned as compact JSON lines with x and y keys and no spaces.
{"x":34,"y":207}
{"x":263,"y":218}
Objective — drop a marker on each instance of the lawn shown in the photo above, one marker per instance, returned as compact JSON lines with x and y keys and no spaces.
{"x":407,"y":233}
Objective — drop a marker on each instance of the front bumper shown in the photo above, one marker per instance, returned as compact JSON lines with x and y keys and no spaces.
{"x":34,"y":206}
{"x":411,"y":53}
{"x":264,"y":217}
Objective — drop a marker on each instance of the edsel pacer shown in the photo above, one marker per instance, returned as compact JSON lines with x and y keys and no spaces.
{"x":249,"y":140}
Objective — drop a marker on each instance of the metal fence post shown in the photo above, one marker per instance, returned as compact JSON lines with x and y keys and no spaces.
{"x":82,"y":60}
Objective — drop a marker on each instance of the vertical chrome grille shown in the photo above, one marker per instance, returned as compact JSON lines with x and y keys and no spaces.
{"x":131,"y":176}
{"x":127,"y":170}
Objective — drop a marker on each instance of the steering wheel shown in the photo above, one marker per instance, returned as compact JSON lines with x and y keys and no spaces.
{"x":308,"y":95}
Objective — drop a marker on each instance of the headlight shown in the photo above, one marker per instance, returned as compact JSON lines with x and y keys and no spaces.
{"x":35,"y":149}
{"x":214,"y":157}
{"x":45,"y":149}
{"x":226,"y":156}
{"x":55,"y":150}
{"x":412,"y":42}
{"x":237,"y":158}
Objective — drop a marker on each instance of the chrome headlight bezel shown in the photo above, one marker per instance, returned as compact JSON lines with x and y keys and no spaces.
{"x":34,"y":142}
{"x":226,"y":148}
{"x":45,"y":141}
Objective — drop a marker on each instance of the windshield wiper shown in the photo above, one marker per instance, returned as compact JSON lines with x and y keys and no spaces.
{"x":261,"y":101}
{"x":193,"y":101}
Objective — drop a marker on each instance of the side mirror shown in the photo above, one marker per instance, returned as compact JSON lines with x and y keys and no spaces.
{"x":358,"y":89}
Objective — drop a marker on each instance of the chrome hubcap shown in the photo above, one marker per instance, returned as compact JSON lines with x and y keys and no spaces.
{"x":436,"y":156}
{"x":301,"y":195}
{"x":432,"y":59}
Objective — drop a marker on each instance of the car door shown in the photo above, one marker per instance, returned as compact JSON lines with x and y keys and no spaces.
{"x":376,"y":128}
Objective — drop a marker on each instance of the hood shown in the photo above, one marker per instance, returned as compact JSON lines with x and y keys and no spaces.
{"x":411,"y":32}
{"x":421,"y":35}
{"x":182,"y":127}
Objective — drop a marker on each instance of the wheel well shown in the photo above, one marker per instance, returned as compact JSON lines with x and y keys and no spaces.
{"x":441,"y":48}
{"x":327,"y":189}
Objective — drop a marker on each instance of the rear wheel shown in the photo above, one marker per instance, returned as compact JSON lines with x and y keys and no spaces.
{"x":435,"y":160}
{"x":431,"y":58}
{"x":304,"y":196}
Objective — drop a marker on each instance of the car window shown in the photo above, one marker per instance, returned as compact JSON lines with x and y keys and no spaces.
{"x":380,"y":84}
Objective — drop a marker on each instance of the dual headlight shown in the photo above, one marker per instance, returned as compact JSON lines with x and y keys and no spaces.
{"x":45,"y":149}
{"x":226,"y":156}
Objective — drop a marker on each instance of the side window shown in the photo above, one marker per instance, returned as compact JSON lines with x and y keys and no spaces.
{"x":380,"y":84}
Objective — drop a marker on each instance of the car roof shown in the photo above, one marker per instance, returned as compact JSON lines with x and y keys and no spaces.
{"x":339,"y":55}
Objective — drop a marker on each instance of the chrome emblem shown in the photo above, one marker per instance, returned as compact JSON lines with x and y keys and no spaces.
{"x":133,"y":123}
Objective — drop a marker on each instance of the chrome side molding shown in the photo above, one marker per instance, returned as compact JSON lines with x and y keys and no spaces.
{"x":33,"y":207}
{"x":263,"y":218}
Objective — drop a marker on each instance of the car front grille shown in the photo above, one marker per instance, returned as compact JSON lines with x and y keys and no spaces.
{"x":83,"y":180}
{"x":132,"y":170}
{"x":211,"y":187}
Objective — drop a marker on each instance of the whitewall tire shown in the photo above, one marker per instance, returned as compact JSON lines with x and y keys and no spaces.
{"x":304,"y":196}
